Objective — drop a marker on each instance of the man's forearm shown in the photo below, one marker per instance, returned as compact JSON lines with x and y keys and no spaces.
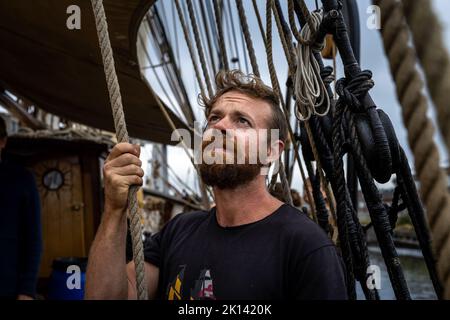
{"x":106,"y":273}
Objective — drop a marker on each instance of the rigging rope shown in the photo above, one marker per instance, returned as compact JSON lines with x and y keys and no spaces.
{"x":248,"y":37}
{"x":232,"y":34}
{"x":276,"y":88}
{"x":293,"y":69}
{"x":349,"y":225}
{"x":122,"y":136}
{"x":259,"y":20}
{"x":190,"y":48}
{"x":433,"y":57}
{"x":286,"y":40}
{"x":208,"y":37}
{"x":285,"y":184}
{"x":223,"y":49}
{"x":433,"y":180}
{"x":350,"y":93}
{"x":309,"y":85}
{"x":200,"y":51}
{"x":305,"y":12}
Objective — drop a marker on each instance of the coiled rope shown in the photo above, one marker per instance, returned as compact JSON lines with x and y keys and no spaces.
{"x":309,"y":87}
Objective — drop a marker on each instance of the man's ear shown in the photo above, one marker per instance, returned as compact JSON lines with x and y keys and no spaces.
{"x":274,"y":151}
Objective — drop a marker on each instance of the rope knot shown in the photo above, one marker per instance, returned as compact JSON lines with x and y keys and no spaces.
{"x":351,"y":91}
{"x":327,"y":75}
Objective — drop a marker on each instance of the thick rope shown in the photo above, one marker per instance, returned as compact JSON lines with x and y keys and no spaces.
{"x":122,"y":136}
{"x":433,"y":180}
{"x":379,"y":217}
{"x":248,"y":37}
{"x":342,"y":208}
{"x":200,"y":51}
{"x":433,"y":57}
{"x":323,"y":179}
{"x":190,"y":48}
{"x":350,"y":92}
{"x":223,"y":49}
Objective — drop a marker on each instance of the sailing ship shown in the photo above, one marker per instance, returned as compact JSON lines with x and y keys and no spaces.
{"x":52,"y":81}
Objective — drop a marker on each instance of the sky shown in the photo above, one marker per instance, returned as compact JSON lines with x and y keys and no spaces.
{"x":372,"y":57}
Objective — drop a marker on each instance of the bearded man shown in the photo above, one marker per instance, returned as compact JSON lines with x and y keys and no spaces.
{"x":249,"y":246}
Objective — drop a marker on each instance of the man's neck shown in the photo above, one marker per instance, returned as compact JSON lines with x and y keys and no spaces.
{"x":244,"y":204}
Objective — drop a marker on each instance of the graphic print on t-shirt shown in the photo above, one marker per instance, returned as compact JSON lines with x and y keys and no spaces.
{"x":203,"y":288}
{"x":174,"y":288}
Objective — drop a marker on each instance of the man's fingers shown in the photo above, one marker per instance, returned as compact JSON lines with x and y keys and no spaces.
{"x":122,"y":148}
{"x":129,"y":170}
{"x":124,"y":160}
{"x":133,"y":180}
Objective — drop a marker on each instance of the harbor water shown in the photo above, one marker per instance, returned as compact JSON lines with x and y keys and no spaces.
{"x":415,"y":271}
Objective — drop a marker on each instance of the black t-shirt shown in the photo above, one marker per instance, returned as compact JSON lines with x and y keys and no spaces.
{"x":283,"y":256}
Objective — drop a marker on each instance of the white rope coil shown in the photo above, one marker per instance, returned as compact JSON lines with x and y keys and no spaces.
{"x":309,"y":88}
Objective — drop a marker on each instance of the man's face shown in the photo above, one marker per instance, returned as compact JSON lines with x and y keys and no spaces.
{"x":235,"y":144}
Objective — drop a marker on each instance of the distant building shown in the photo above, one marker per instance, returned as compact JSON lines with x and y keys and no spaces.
{"x":387,"y":195}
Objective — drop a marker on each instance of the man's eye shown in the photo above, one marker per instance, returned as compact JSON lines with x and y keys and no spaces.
{"x":213,"y":118}
{"x":244,"y":121}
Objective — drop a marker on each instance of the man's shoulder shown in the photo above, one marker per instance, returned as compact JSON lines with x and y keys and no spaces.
{"x":296,"y":227}
{"x":185,"y":220}
{"x":292,"y":218}
{"x":191,"y":216}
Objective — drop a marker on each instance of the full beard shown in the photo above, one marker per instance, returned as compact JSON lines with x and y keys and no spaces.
{"x":228,"y":176}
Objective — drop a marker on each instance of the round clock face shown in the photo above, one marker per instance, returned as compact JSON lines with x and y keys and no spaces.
{"x":53,"y":179}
